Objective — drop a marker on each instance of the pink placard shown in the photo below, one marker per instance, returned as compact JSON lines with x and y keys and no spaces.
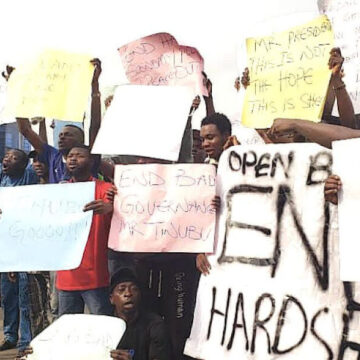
{"x":158,"y":59}
{"x":164,"y":208}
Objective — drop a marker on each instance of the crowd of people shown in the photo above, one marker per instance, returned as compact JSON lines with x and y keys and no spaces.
{"x":140,"y":288}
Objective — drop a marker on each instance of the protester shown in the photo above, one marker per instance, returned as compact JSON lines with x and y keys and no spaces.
{"x":40,"y":168}
{"x":88,"y":284}
{"x":215,"y":134}
{"x":198,"y":153}
{"x":145,"y":337}
{"x":15,"y":286}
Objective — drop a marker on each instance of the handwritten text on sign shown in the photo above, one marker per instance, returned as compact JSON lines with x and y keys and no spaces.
{"x":288,"y":73}
{"x":163,"y":208}
{"x":55,"y":85}
{"x":78,"y":337}
{"x":274,"y":290}
{"x":39,"y":221}
{"x":159,"y":60}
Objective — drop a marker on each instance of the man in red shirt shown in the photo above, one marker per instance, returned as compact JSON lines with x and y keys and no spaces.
{"x":88,"y":284}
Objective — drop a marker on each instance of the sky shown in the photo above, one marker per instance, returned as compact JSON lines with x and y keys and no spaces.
{"x":98,"y":28}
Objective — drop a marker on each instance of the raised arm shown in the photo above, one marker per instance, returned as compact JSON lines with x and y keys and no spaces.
{"x":95,"y":117}
{"x":25,"y":129}
{"x":344,"y":103}
{"x":209,"y":103}
{"x":323,"y":134}
{"x":185,"y":154}
{"x":42,"y":131}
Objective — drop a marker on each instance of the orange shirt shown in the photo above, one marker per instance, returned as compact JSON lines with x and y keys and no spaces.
{"x":93,"y":270}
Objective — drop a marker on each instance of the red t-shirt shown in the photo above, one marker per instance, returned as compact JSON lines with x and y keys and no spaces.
{"x":93,"y":270}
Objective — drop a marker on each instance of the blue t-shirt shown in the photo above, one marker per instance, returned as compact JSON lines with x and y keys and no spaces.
{"x":53,"y":158}
{"x":29,"y":177}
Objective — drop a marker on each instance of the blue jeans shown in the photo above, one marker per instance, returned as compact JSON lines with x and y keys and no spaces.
{"x":74,"y":301}
{"x":16,"y":305}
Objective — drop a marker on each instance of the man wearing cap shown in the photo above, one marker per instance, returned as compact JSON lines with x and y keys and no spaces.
{"x":145,"y":337}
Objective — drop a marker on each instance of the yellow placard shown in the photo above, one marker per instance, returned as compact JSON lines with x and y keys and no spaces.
{"x":289,"y":74}
{"x":55,"y":85}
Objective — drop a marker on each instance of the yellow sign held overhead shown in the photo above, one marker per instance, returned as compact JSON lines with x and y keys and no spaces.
{"x":289,"y":74}
{"x":56,"y":85}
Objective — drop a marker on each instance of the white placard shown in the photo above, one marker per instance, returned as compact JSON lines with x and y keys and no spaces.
{"x":43,"y":227}
{"x":78,"y":337}
{"x":145,"y":121}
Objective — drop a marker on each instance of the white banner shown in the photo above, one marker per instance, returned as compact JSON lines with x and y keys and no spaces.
{"x":145,"y":121}
{"x":43,"y":227}
{"x":274,"y":290}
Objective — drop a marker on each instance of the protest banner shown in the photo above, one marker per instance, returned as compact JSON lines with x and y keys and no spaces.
{"x":54,"y":85}
{"x":158,"y":59}
{"x":349,"y":172}
{"x":274,"y":289}
{"x":289,"y":74}
{"x":163,"y":208}
{"x":78,"y":337}
{"x":38,"y":222}
{"x":155,"y":116}
{"x":345,"y":18}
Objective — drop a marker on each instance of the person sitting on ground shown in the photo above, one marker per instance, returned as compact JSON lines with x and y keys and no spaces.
{"x":88,"y":284}
{"x":145,"y":337}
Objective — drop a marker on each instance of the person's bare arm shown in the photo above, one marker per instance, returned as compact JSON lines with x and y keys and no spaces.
{"x":323,"y":134}
{"x":209,"y":102}
{"x":185,"y":154}
{"x":95,"y":119}
{"x":42,"y":131}
{"x":344,"y":103}
{"x":25,"y":129}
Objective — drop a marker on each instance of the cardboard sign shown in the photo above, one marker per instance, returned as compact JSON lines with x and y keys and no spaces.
{"x":55,"y":85}
{"x":274,"y":289}
{"x":145,"y":121}
{"x":78,"y":337}
{"x":289,"y":74}
{"x":158,"y":59}
{"x":39,"y":221}
{"x":164,"y":208}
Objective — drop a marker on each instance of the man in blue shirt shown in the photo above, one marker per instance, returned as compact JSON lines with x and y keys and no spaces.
{"x":14,"y":171}
{"x":14,"y":286}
